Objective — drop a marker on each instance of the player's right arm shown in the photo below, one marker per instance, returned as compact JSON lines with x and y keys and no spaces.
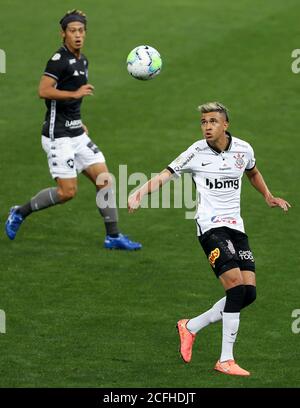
{"x":134,"y":201}
{"x":47,"y":90}
{"x":182,"y":164}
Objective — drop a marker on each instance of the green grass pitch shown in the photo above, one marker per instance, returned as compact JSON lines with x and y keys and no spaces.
{"x":79,"y":316}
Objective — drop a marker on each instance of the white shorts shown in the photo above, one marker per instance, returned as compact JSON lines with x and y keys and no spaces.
{"x":68,"y":156}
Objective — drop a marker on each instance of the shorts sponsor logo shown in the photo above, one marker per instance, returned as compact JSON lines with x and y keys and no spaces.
{"x":230,"y":246}
{"x":213,"y":256}
{"x":93,"y":147}
{"x":246,"y":255}
{"x":228,"y":220}
{"x":222,"y":184}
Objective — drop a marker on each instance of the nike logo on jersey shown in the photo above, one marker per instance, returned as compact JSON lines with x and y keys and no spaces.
{"x":205,"y":164}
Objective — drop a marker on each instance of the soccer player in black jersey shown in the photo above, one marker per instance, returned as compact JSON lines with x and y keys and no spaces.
{"x":65,"y":138}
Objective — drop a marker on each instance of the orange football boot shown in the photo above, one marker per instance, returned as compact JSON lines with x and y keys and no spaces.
{"x":186,"y":340}
{"x":230,"y":367}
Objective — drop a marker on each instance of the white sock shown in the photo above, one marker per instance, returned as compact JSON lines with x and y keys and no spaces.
{"x":231,"y":323}
{"x":211,"y":316}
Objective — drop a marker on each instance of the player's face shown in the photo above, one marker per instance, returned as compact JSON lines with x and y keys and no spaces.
{"x":74,"y":35}
{"x":213,"y":126}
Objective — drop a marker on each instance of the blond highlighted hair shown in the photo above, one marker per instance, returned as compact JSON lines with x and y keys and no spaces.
{"x":214,"y":107}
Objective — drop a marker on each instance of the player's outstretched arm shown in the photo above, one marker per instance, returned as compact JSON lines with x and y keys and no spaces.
{"x":258,"y":182}
{"x":134,"y":201}
{"x":47,"y":90}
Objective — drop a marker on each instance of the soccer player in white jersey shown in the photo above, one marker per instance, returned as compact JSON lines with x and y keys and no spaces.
{"x":65,"y":138}
{"x":217,"y":164}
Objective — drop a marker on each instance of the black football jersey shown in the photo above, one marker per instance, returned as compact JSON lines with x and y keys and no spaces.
{"x":63,"y":118}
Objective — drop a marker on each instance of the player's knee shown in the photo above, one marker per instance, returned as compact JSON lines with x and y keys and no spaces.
{"x":250,"y":295}
{"x":67,"y":194}
{"x":234,"y":281}
{"x":235,"y":299}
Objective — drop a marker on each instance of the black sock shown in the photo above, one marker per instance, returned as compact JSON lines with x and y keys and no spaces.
{"x":234,"y":299}
{"x":250,"y":295}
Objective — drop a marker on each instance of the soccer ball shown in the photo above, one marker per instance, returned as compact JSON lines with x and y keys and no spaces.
{"x":144,"y":62}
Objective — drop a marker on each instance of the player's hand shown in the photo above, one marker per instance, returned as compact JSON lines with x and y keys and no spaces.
{"x":84,"y":90}
{"x":85,"y":129}
{"x":134,"y":201}
{"x":278,"y":202}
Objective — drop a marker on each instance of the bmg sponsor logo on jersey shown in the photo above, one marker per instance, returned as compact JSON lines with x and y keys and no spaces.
{"x":222,"y":184}
{"x":2,"y":62}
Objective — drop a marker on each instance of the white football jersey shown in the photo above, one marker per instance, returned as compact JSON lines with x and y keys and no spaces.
{"x":218,"y":179}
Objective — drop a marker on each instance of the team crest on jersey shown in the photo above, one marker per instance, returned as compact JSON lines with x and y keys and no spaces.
{"x":56,"y":57}
{"x":239,"y":161}
{"x":213,"y":256}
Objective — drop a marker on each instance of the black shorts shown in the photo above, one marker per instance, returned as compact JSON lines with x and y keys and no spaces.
{"x":227,"y":248}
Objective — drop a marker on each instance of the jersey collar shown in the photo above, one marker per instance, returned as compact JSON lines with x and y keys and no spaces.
{"x":71,"y":53}
{"x":218,"y":151}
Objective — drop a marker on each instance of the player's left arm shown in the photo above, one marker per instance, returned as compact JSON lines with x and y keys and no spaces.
{"x":259,"y":183}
